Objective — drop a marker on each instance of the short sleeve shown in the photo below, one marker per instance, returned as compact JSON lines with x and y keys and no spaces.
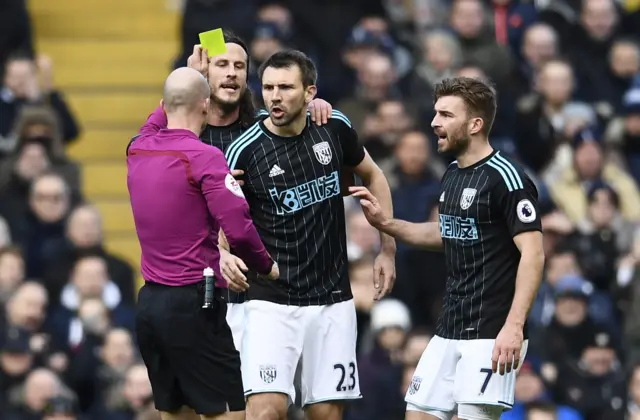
{"x":352,"y":151}
{"x":517,"y":199}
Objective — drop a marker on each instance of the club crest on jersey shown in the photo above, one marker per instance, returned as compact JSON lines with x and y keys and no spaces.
{"x":414,"y":386}
{"x":468,"y":194}
{"x":322,"y":151}
{"x":268,"y":373}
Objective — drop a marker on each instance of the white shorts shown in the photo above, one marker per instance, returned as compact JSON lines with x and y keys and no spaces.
{"x":456,"y":375}
{"x":277,"y":336}
{"x":236,"y":320}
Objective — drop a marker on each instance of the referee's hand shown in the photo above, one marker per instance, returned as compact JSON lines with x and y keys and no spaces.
{"x":506,"y":350}
{"x":233,"y":269}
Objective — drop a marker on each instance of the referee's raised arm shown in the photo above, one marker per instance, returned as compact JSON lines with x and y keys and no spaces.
{"x":181,"y":193}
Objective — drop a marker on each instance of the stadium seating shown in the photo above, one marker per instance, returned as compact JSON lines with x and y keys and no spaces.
{"x":111,"y":65}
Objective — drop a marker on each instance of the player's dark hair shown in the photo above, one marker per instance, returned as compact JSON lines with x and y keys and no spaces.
{"x":247,"y":106}
{"x":478,"y":96}
{"x":291,"y":58}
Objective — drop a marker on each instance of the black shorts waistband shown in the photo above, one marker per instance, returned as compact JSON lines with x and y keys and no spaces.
{"x":198,"y":286}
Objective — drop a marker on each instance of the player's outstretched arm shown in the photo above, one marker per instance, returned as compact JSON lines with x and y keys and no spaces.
{"x":422,"y":235}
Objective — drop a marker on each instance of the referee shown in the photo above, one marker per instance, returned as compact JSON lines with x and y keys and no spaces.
{"x":181,"y":194}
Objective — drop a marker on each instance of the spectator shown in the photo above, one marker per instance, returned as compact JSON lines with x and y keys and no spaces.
{"x":39,"y":124}
{"x":384,"y":128}
{"x":572,"y":327}
{"x":377,"y":81}
{"x":599,"y":24}
{"x":381,"y":368}
{"x":15,"y":30}
{"x":12,"y":272}
{"x":28,"y":162}
{"x":540,"y":44}
{"x":547,"y":119}
{"x":602,"y":237}
{"x":267,"y":40}
{"x":84,"y":237}
{"x":590,"y":168}
{"x":134,"y":396}
{"x":441,"y":56}
{"x":40,"y":386}
{"x":623,"y":133}
{"x":468,"y":20}
{"x":21,"y":87}
{"x":530,"y":392}
{"x":42,"y":228}
{"x":594,"y":384}
{"x":89,"y":280}
{"x":16,"y":360}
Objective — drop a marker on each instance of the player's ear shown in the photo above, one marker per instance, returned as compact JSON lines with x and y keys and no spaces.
{"x":162,"y":105}
{"x":205,"y":111}
{"x":310,"y":93}
{"x":476,"y":125}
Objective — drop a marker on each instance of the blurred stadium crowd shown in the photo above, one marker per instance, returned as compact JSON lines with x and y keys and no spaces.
{"x":568,"y":77}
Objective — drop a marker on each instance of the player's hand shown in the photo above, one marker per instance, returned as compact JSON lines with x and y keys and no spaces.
{"x":320,"y":111}
{"x":236,"y":173}
{"x":506,"y":350}
{"x":275,"y":272}
{"x":384,"y":274}
{"x":199,"y":60}
{"x":233,"y":269}
{"x":370,"y":206}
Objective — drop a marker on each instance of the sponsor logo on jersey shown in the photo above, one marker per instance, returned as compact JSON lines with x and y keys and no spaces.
{"x":293,"y":199}
{"x":459,"y":228}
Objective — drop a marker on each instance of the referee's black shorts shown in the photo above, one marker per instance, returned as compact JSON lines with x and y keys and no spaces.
{"x":188,"y":351}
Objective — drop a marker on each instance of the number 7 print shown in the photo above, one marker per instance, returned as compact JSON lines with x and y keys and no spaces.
{"x":487,"y":372}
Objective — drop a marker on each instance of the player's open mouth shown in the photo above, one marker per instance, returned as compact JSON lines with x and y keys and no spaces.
{"x":442,"y":137}
{"x":277,"y":112}
{"x":230,"y":87}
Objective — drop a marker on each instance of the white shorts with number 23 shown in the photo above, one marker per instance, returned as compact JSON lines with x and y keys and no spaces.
{"x":276,"y":337}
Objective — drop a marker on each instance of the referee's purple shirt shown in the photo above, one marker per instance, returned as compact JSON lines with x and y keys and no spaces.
{"x":181,"y":194}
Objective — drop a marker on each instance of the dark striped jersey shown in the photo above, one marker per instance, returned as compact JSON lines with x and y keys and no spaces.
{"x":482,"y":207}
{"x":222,"y":137}
{"x":293,"y":185}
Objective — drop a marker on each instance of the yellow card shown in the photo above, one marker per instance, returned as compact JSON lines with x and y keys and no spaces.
{"x":213,"y":41}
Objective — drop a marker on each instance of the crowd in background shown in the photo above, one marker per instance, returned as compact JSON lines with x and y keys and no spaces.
{"x":567,"y":74}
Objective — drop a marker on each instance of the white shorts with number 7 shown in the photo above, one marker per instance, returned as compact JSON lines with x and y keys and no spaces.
{"x":453,"y":373}
{"x":277,"y":336}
